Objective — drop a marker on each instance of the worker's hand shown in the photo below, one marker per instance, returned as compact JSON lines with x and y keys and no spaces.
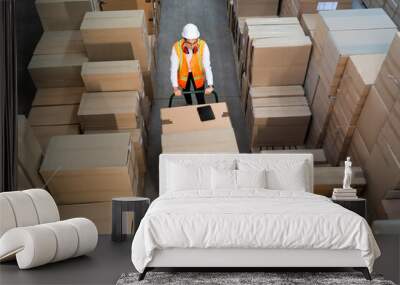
{"x":177,"y":91}
{"x":209,"y":90}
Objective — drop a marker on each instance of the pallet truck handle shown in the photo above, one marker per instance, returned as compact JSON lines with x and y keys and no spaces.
{"x":171,"y":98}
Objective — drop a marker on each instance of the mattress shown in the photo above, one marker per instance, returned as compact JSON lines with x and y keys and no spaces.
{"x":251,"y":219}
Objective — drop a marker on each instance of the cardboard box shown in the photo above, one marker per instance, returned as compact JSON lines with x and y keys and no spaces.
{"x":57,"y":70}
{"x":388,"y":80}
{"x":342,"y":44}
{"x":54,"y":115}
{"x":248,"y":8}
{"x":277,"y":121}
{"x":116,"y":5}
{"x":58,"y":96}
{"x":327,"y":178}
{"x":186,"y":119}
{"x":200,"y":141}
{"x":60,"y":42}
{"x":372,"y":118}
{"x":273,"y":91}
{"x":279,"y":61}
{"x":29,"y":154}
{"x":45,"y":133}
{"x":116,"y":35}
{"x":353,"y":19}
{"x":297,"y":8}
{"x":309,"y":23}
{"x":147,"y":7}
{"x":139,"y":144}
{"x":90,"y":168}
{"x":110,"y":110}
{"x":122,"y":75}
{"x":99,"y":213}
{"x":63,"y":14}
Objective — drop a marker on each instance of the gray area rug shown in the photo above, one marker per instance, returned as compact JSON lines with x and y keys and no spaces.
{"x":269,"y":278}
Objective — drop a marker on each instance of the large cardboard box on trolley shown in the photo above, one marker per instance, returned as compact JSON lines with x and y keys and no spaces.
{"x":116,"y":35}
{"x":90,"y":168}
{"x":186,"y":119}
{"x":204,"y":141}
{"x":110,"y":110}
{"x":183,"y":131}
{"x":63,"y":14}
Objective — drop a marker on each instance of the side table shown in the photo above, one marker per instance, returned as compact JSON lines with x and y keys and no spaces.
{"x":137,"y":205}
{"x":357,"y":205}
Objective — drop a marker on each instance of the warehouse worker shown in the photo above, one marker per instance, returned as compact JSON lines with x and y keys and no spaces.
{"x":190,"y":64}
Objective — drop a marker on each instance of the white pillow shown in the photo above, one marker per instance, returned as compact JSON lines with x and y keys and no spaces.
{"x":223,"y":179}
{"x":251,"y":178}
{"x":282,"y":174}
{"x":183,"y":178}
{"x":189,"y":174}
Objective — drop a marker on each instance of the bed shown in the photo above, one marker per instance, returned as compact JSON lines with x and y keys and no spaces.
{"x":247,"y":210}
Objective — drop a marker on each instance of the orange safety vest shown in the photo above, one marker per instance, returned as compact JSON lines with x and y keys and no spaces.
{"x":196,"y":65}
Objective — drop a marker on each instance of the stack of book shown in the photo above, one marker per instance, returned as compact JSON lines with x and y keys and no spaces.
{"x":344,"y":194}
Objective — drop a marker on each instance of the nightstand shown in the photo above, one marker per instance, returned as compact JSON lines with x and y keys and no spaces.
{"x":357,"y":205}
{"x":137,"y":205}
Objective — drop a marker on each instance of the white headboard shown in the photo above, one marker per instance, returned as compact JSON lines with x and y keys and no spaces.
{"x":165,"y":158}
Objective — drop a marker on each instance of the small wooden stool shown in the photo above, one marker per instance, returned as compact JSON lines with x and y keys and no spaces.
{"x":137,"y":205}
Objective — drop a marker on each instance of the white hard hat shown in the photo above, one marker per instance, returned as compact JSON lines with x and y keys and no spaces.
{"x":190,"y":32}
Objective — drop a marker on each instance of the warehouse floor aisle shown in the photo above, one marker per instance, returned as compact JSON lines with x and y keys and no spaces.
{"x":210,"y":16}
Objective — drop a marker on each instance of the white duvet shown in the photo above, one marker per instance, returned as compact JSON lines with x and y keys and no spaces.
{"x":250,"y":219}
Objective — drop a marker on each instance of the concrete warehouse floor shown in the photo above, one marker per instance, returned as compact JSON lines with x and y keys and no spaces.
{"x":110,"y":260}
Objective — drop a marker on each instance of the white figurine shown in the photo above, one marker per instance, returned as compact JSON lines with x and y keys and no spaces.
{"x":347,"y":174}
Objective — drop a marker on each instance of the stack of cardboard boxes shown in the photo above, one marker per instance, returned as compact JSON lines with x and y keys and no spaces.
{"x":358,"y":77}
{"x":339,"y":35}
{"x":89,"y":80}
{"x":112,"y":103}
{"x":277,"y":116}
{"x":184,"y":132}
{"x":55,"y":69}
{"x":84,"y":172}
{"x":274,"y":56}
{"x":296,"y":8}
{"x":376,"y":140}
